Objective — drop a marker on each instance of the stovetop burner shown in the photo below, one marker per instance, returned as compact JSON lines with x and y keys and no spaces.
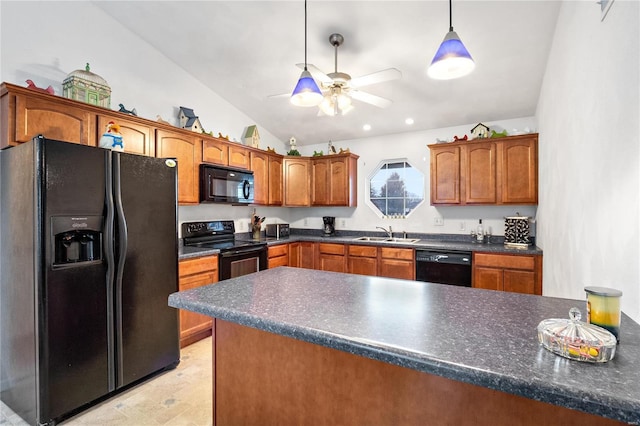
{"x":217,"y":234}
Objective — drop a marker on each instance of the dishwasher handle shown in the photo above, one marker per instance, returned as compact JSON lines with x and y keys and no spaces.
{"x":458,"y":258}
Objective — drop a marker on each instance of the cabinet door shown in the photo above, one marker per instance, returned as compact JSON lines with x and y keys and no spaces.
{"x":260,"y":168}
{"x":519,"y":172}
{"x":307,"y":255}
{"x":362,"y":265}
{"x":192,"y":323}
{"x":395,"y":268}
{"x":184,"y":149}
{"x":138,"y":138}
{"x":338,"y":179}
{"x":332,"y":262}
{"x":296,"y":182}
{"x":320,"y":182}
{"x":488,"y":278}
{"x":445,"y":174}
{"x":479,"y":170}
{"x":275,"y":180}
{"x":215,"y":151}
{"x":54,"y":120}
{"x":239,"y":156}
{"x":519,"y":281}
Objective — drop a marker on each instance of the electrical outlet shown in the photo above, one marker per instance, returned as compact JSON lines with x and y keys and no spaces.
{"x":463,"y":226}
{"x":343,"y":223}
{"x":438,"y":221}
{"x":306,"y":221}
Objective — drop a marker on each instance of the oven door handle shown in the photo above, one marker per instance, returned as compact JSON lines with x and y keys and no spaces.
{"x":236,"y":252}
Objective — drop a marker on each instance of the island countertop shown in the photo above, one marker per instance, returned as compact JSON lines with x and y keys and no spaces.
{"x":482,"y":337}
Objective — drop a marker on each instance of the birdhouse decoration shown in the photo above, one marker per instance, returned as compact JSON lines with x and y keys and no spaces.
{"x":252,"y":137}
{"x":85,"y":86}
{"x":189,"y":120}
{"x":479,"y":131}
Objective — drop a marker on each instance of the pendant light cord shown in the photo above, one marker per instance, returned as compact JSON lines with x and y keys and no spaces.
{"x":450,"y":19}
{"x":305,"y":35}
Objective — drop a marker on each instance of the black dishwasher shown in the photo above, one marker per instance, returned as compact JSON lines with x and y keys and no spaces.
{"x":444,"y":267}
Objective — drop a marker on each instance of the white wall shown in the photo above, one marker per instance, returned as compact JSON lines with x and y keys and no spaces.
{"x":588,"y":119}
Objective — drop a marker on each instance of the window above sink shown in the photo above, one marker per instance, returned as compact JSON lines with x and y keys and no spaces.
{"x":395,"y":188}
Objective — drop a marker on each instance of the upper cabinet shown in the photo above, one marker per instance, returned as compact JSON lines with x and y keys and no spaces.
{"x":139,"y":138}
{"x":296,"y":173}
{"x":334,"y":180}
{"x":215,"y":151}
{"x":27,"y":113}
{"x":185,"y":148}
{"x":485,"y":171}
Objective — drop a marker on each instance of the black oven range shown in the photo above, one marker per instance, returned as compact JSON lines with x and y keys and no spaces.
{"x":237,"y":256}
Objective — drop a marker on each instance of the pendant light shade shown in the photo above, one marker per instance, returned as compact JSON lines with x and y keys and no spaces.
{"x":306,"y":93}
{"x":452,"y":60}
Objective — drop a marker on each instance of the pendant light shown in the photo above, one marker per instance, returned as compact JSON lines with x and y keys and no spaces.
{"x":306,"y":93}
{"x":452,"y":60}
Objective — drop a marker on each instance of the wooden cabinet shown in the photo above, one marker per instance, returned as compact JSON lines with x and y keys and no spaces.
{"x":239,"y":156}
{"x":275,"y":180}
{"x":139,"y":138}
{"x":278,"y":255}
{"x":485,"y":172}
{"x":331,"y":257}
{"x":267,"y":175}
{"x":302,"y":254}
{"x":334,"y":180}
{"x":26,"y":113}
{"x":185,"y":149}
{"x":296,"y":172}
{"x":508,"y":272}
{"x":215,"y":151}
{"x":362,"y":260}
{"x":397,"y":263}
{"x":196,"y":273}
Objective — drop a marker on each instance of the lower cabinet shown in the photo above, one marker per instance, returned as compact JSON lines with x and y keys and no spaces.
{"x":278,"y":255}
{"x":331,"y":257}
{"x":508,"y":272}
{"x":302,"y":254}
{"x":194,"y":273}
{"x":397,"y":263}
{"x":362,"y":260}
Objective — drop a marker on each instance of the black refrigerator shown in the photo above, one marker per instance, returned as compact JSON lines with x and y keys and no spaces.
{"x":88,"y":258}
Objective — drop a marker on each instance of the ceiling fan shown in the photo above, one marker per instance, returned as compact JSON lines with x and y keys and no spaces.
{"x":339,"y":88}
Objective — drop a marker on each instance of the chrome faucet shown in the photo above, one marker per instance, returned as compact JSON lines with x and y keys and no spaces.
{"x":389,"y":232}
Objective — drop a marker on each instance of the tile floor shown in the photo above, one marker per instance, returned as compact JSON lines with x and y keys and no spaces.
{"x":180,"y":397}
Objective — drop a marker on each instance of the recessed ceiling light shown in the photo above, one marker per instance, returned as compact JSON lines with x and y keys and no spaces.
{"x":366,"y":127}
{"x":409,"y":121}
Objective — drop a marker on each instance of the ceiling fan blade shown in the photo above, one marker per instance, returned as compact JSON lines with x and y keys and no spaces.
{"x":369,"y":98}
{"x":376,"y":77}
{"x":317,"y":74}
{"x":281,"y":95}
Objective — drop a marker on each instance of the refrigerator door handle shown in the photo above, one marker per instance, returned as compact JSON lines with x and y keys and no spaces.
{"x":122,"y":254}
{"x":109,"y":250}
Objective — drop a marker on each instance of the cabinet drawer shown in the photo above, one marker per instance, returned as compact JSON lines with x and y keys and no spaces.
{"x":279,"y":250}
{"x":331,"y":248}
{"x":396,"y":253}
{"x":363,"y":251}
{"x":198,"y":265}
{"x":504,"y":261}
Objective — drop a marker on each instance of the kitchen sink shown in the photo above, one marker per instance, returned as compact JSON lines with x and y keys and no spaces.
{"x":387,"y":240}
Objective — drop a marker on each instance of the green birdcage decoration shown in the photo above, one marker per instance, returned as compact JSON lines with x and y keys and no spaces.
{"x":85,"y":86}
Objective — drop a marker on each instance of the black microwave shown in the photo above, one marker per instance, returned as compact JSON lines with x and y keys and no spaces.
{"x":225,"y":185}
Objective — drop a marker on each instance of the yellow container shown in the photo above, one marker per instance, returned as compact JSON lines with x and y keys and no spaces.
{"x":603,"y":308}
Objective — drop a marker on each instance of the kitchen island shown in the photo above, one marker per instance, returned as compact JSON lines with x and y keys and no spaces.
{"x":310,"y":347}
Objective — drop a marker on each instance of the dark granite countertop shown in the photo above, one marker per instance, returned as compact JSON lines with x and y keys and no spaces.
{"x":423,"y":243}
{"x":483,"y":337}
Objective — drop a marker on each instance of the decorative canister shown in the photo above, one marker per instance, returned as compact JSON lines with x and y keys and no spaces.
{"x":603,"y":308}
{"x":516,"y":232}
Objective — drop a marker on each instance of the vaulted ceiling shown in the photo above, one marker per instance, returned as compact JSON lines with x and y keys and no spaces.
{"x":247,"y":51}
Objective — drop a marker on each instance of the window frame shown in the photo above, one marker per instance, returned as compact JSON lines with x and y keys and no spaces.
{"x":376,"y":170}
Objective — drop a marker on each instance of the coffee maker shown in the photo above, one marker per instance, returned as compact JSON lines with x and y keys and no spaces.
{"x":329,"y":225}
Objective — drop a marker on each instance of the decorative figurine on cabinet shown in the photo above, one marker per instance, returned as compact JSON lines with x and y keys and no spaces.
{"x":189,"y":120}
{"x":457,"y":139}
{"x":85,"y":86}
{"x":126,"y":111}
{"x":293,"y":151}
{"x":501,"y":134}
{"x":479,"y":131}
{"x":111,"y":138}
{"x":32,"y":85}
{"x":252,"y":137}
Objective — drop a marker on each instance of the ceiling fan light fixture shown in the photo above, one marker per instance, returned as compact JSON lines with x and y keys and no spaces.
{"x":452,"y":60}
{"x":306,"y":93}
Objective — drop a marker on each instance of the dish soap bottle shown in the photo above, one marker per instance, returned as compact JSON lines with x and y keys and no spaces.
{"x":480,"y":232}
